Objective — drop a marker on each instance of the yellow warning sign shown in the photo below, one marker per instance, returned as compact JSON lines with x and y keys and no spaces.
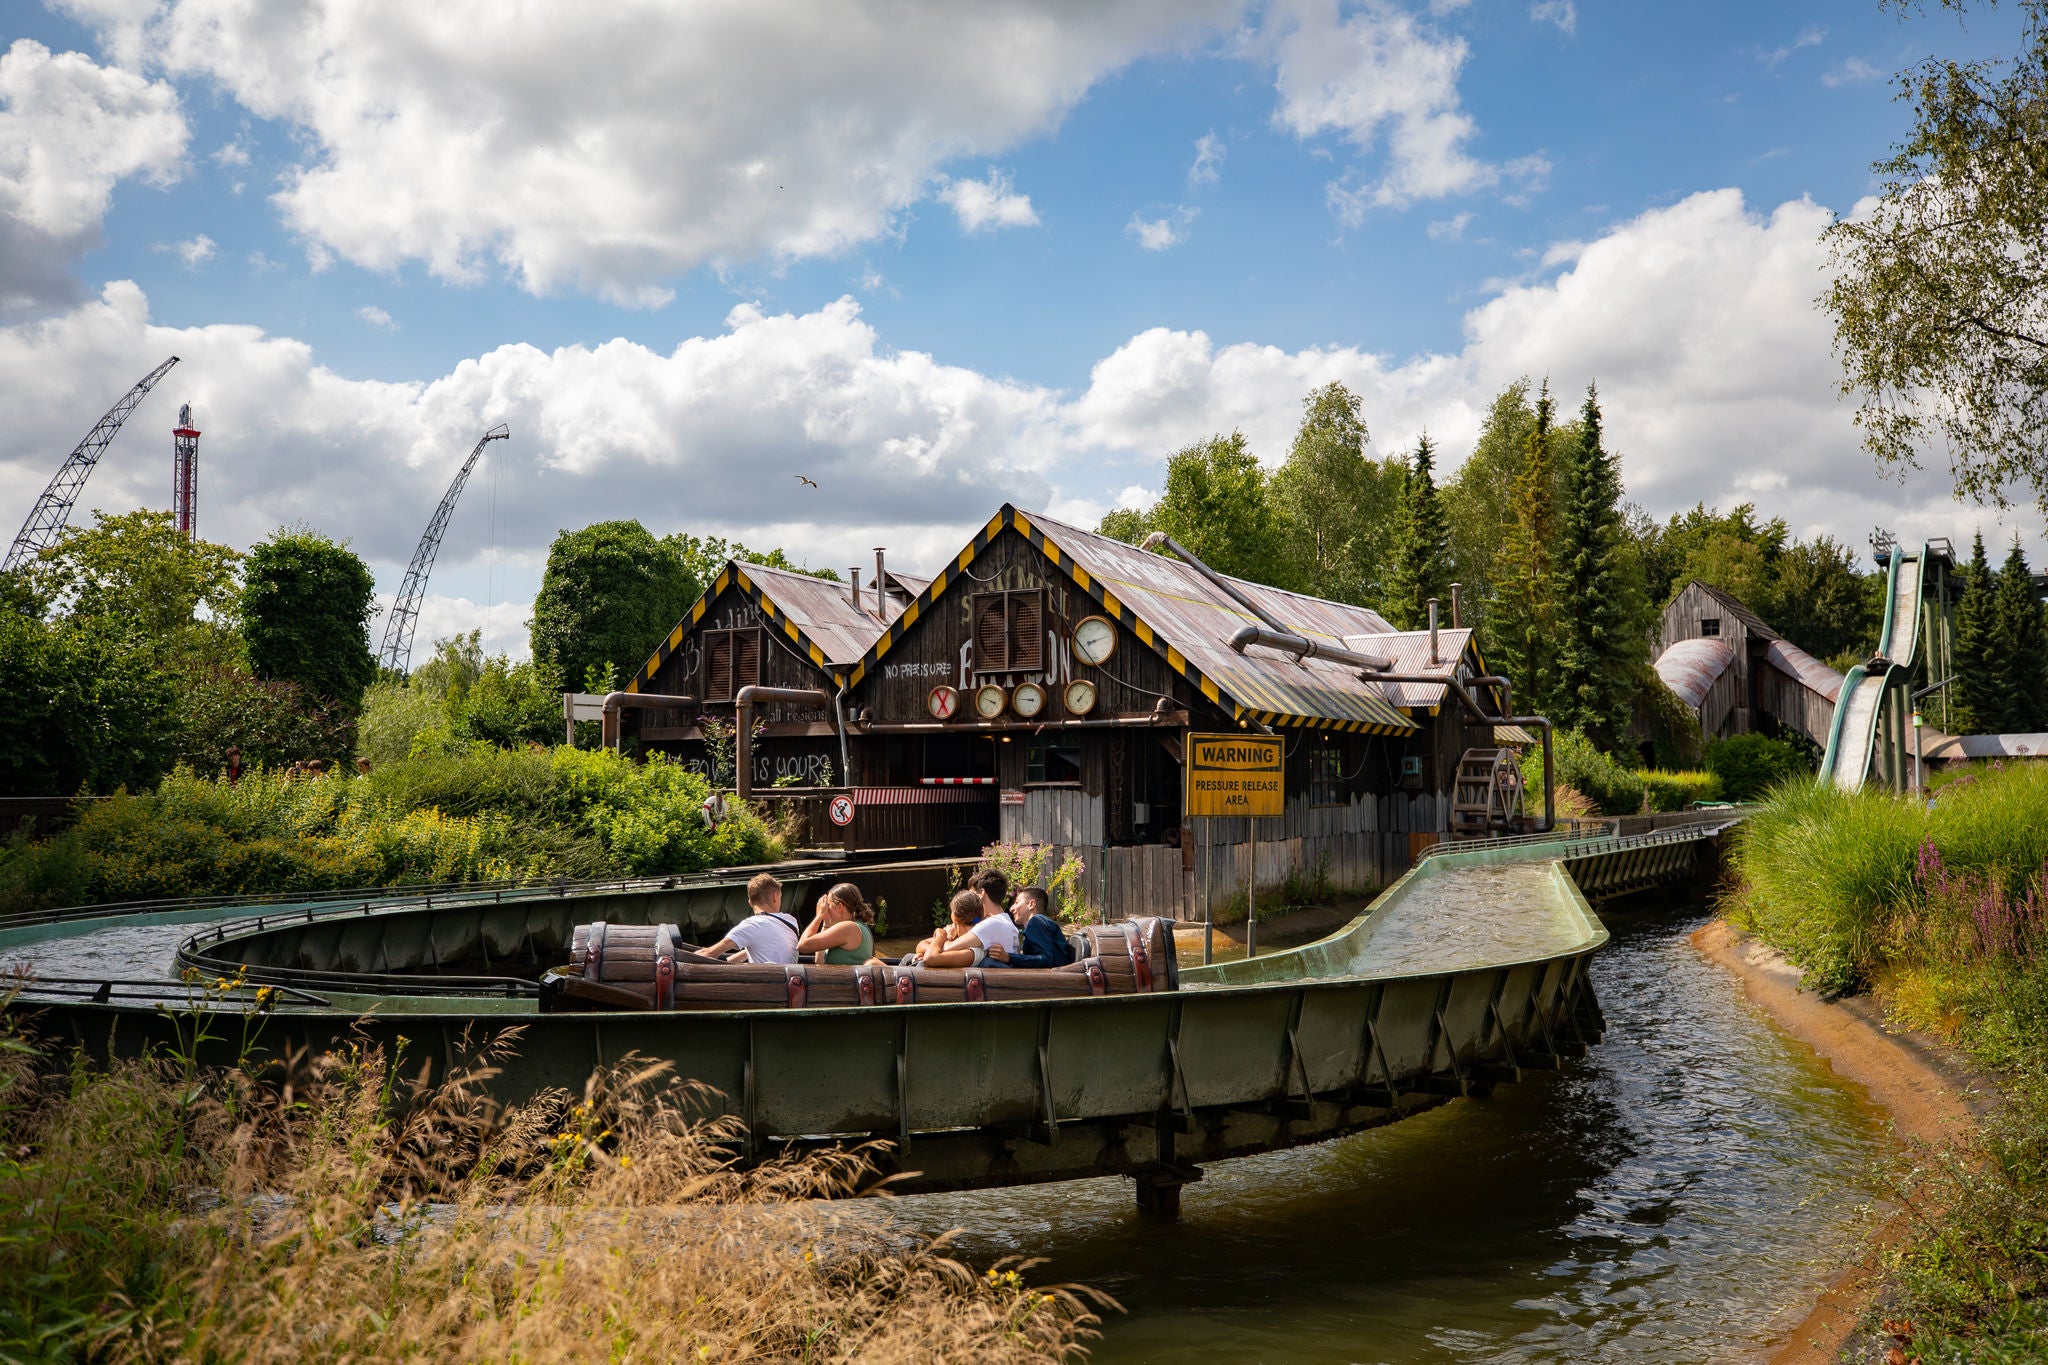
{"x":1235,"y":775}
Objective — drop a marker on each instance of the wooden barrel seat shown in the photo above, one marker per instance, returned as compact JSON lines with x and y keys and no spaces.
{"x":634,"y":967}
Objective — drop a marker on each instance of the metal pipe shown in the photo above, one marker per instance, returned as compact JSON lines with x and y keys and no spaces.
{"x":1456,"y":621}
{"x":839,"y":715}
{"x":615,"y":702}
{"x":1222,"y":584}
{"x":853,"y":586}
{"x":881,"y":588}
{"x":743,"y":716}
{"x":1434,"y":656}
{"x":1301,"y":647}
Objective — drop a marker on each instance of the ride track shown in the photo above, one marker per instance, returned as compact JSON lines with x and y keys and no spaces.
{"x":1870,"y":725}
{"x":1467,"y":972}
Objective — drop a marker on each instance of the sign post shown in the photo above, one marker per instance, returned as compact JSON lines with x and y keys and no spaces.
{"x":1237,"y":775}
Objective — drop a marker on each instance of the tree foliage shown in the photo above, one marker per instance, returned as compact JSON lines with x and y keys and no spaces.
{"x":2018,"y":649}
{"x":140,"y":575}
{"x":1339,"y":505}
{"x":1975,"y":707}
{"x":1940,"y":296}
{"x":1521,"y":623}
{"x":1421,"y":552}
{"x":1600,"y":650}
{"x":1483,"y":499}
{"x":87,"y":708}
{"x":306,"y":607}
{"x":1217,"y":503}
{"x":609,"y":593}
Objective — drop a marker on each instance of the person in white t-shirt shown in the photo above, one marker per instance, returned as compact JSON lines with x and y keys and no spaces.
{"x":987,"y":889}
{"x":767,"y":935}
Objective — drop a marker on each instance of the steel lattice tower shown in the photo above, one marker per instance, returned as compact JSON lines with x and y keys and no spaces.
{"x":47,"y":518}
{"x":185,"y":472}
{"x":396,"y":652}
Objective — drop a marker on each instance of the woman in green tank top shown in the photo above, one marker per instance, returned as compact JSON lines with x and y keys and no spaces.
{"x":839,"y":934}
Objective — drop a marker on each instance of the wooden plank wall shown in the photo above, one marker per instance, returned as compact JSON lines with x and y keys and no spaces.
{"x":1055,"y":815}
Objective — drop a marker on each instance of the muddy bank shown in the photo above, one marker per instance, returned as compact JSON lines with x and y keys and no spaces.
{"x":1929,"y":1090}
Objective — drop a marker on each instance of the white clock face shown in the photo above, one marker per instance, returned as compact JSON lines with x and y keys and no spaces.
{"x":1080,"y":697}
{"x":942,"y":701}
{"x":1094,"y":639}
{"x":989,"y":701}
{"x":1028,"y":700}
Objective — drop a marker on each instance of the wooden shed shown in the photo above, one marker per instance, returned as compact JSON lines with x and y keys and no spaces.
{"x":1737,"y":674}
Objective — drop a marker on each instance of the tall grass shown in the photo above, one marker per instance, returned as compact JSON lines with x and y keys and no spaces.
{"x":355,"y":1210}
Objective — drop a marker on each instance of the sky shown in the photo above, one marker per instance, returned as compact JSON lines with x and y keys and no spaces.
{"x":932,"y":257}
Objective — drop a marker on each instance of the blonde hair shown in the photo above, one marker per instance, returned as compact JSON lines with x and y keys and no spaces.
{"x":762,"y":887}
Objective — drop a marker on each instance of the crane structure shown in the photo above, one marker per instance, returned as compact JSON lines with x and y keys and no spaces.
{"x":52,"y":512}
{"x":396,"y":653}
{"x":185,"y":472}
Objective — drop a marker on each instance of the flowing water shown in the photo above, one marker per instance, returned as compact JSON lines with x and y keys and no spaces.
{"x":1679,"y":1195}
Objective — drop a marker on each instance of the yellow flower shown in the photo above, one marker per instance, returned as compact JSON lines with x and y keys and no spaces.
{"x":625,"y":1161}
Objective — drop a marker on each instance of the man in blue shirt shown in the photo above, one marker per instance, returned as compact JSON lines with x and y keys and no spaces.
{"x":1043,"y":943}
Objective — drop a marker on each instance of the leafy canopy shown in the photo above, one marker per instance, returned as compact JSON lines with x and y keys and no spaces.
{"x":306,"y":607}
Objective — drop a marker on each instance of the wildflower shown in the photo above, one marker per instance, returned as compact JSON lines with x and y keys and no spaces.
{"x":626,"y":1161}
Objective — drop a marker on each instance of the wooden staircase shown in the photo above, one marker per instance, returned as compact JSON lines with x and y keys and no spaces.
{"x":1486,"y":798}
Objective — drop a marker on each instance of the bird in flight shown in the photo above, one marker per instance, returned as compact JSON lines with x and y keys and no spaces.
{"x":811,"y":482}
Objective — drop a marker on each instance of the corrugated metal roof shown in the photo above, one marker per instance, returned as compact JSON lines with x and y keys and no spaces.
{"x":1195,"y":621}
{"x":1512,"y":734}
{"x":1988,"y":746}
{"x":821,"y":610}
{"x":1409,"y":649}
{"x":1811,"y":673}
{"x":1690,"y":667}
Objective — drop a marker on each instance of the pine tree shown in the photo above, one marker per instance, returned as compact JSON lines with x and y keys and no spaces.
{"x":1422,"y":546}
{"x":1521,"y":622}
{"x":2019,"y":647}
{"x":1598,"y":654}
{"x":1975,"y":706}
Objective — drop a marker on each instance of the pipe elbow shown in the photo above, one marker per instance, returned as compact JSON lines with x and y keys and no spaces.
{"x":1245,"y":635}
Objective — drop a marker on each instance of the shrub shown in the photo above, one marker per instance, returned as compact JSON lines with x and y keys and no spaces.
{"x":1031,"y":865}
{"x":1665,"y":791}
{"x":1750,"y":765}
{"x":1613,"y":789}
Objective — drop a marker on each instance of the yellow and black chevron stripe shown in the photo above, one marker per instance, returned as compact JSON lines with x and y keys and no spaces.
{"x":1010,"y":517}
{"x":730,"y":575}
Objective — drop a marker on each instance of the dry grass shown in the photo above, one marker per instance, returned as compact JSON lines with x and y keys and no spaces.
{"x":358,"y":1210}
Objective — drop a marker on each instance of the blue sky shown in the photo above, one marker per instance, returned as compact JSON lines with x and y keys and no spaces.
{"x":935,"y":262}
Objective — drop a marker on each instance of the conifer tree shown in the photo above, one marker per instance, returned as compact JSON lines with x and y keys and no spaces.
{"x":2019,"y":647}
{"x":1598,"y":653}
{"x":1422,"y":546}
{"x":1521,"y":623}
{"x":1975,"y":706}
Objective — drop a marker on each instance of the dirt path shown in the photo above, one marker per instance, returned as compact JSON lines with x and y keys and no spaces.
{"x":1928,"y":1089}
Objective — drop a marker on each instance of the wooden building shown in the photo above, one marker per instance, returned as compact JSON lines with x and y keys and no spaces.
{"x":1739,"y":675}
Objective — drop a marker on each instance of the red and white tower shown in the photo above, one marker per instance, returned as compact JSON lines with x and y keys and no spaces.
{"x":185,"y":472}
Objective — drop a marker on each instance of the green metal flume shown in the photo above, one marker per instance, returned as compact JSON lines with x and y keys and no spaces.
{"x":1468,"y":971}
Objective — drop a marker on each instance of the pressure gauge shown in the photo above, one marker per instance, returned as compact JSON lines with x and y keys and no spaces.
{"x":942,"y":701}
{"x":1094,"y":639}
{"x":1028,"y":700}
{"x":989,"y":701}
{"x":1080,"y":696}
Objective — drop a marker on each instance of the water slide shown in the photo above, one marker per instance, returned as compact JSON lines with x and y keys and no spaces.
{"x":1885,"y":681}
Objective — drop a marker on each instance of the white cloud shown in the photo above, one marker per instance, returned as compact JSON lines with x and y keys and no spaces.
{"x":1158,"y":234}
{"x":611,"y":150}
{"x":376,"y":317}
{"x":231,"y":154}
{"x":191,"y":253}
{"x":1450,"y":229}
{"x":1563,"y":13}
{"x":1811,"y":36}
{"x":990,"y":203}
{"x":1208,"y":164}
{"x":70,"y":130}
{"x":1852,"y":71}
{"x":1376,"y":72}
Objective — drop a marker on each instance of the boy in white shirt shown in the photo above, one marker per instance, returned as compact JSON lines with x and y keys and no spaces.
{"x":987,"y":890}
{"x":766,"y":935}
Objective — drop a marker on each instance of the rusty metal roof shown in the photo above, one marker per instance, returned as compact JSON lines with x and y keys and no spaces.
{"x":1950,"y":749}
{"x":1512,"y":734}
{"x":813,"y":615}
{"x":1409,"y":649}
{"x":1810,"y":672}
{"x":1192,"y":621}
{"x":1690,"y":668}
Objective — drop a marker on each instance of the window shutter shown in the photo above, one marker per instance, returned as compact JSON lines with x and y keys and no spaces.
{"x":718,"y":665}
{"x":746,"y":659}
{"x":1027,"y":631}
{"x":991,"y":634}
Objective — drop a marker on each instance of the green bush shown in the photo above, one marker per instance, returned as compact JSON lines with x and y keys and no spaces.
{"x":1750,"y":765}
{"x":1613,"y":789}
{"x":1664,"y":791}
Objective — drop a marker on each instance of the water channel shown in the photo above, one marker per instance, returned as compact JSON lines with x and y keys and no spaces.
{"x":1680,"y":1195}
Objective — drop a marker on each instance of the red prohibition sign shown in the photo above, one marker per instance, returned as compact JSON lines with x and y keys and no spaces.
{"x":841,"y":810}
{"x":942,"y":701}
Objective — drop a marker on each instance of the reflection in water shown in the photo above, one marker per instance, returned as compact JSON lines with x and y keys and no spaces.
{"x":1671,"y":1198}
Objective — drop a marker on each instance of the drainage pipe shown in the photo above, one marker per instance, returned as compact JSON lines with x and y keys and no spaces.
{"x":1222,"y":584}
{"x":743,"y":754}
{"x":1301,"y":647}
{"x":616,"y":702}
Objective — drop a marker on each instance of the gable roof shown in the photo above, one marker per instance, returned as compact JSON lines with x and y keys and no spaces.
{"x":1181,"y":616}
{"x":1750,"y":620}
{"x":813,"y":615}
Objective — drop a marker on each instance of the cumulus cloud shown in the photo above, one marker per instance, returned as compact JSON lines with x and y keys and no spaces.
{"x":1208,"y":164}
{"x":1563,"y":13}
{"x":376,"y":317}
{"x":192,"y":252}
{"x":1377,"y":72}
{"x":610,"y":150}
{"x":1168,"y":230}
{"x":70,"y":130}
{"x":1852,"y":71}
{"x":1450,"y":229}
{"x":990,"y":203}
